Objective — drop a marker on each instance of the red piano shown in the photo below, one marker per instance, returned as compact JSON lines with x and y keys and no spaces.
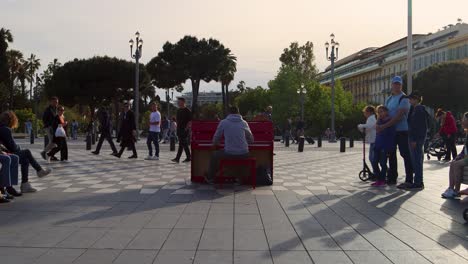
{"x":201,"y":146}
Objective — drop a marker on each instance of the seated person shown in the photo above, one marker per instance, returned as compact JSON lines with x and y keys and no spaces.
{"x":237,"y":136}
{"x":9,"y":121}
{"x":8,"y":176}
{"x":457,"y":167}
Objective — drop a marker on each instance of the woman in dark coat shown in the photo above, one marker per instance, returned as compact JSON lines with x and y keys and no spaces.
{"x":127,"y":132}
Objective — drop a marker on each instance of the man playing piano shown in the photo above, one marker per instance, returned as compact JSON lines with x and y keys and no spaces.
{"x":237,"y":136}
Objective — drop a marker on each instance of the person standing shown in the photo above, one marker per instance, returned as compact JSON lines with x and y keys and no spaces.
{"x":127,"y":133}
{"x":369,"y":128}
{"x":154,"y":131}
{"x":49,"y":118}
{"x":165,"y":130}
{"x":60,"y":139}
{"x":384,"y":145}
{"x":448,"y":131}
{"x":105,"y":129}
{"x":28,"y":127}
{"x":74,"y":129}
{"x":398,"y":106}
{"x":417,"y":122}
{"x":184,"y":118}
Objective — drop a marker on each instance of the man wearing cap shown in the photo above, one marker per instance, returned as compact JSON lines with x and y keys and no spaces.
{"x":398,"y":106}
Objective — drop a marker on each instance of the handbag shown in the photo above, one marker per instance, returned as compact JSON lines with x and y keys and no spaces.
{"x":60,"y":132}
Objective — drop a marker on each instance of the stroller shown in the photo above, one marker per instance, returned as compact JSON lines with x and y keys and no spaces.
{"x":365,"y":174}
{"x":435,"y":147}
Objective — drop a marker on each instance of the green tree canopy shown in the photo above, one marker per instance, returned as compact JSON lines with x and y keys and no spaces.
{"x":253,"y":101}
{"x":300,"y":58}
{"x":444,"y":85}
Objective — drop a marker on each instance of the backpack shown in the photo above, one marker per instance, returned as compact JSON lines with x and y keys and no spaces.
{"x":263,"y":176}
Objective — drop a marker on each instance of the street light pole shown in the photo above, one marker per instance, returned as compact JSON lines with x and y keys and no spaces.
{"x":301,"y":93}
{"x":137,"y":56}
{"x":332,"y":58}
{"x":409,"y":63}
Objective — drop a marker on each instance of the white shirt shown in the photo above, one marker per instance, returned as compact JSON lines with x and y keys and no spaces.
{"x":155,"y":117}
{"x":370,"y":128}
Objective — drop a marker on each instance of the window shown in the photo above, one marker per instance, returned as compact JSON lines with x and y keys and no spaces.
{"x":459,"y":53}
{"x":437,"y":57}
{"x":466,"y":50}
{"x":443,"y":56}
{"x":426,"y":61}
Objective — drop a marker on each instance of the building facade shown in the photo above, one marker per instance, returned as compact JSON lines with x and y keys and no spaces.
{"x":203,"y":98}
{"x":367,"y":74}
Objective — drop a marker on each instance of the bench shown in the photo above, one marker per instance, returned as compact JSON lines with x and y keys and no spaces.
{"x":201,"y":146}
{"x":249,"y":162}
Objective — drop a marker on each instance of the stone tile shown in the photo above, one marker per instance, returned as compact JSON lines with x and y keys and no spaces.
{"x":83,"y":238}
{"x":290,"y":257}
{"x":183,"y":239}
{"x":101,"y":256}
{"x":283,"y":240}
{"x":213,"y":257}
{"x":59,"y":256}
{"x":115,"y":239}
{"x":325,"y":257}
{"x":175,"y":256}
{"x":49,"y":237}
{"x":161,"y":220}
{"x":216,"y":239}
{"x":384,"y":241}
{"x":257,"y":257}
{"x":220,"y":221}
{"x":149,"y":239}
{"x":245,"y":239}
{"x":136,"y":256}
{"x":442,"y":256}
{"x":318,"y":240}
{"x":349,"y":239}
{"x":21,"y":255}
{"x":405,"y":257}
{"x":252,"y":221}
{"x":191,"y":221}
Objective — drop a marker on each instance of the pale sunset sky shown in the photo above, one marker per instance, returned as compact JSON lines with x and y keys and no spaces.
{"x":255,"y":30}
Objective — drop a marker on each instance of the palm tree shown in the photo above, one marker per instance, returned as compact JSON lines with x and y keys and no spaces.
{"x":227,"y":71}
{"x":5,"y":38}
{"x":32,"y":66}
{"x":15,"y":62}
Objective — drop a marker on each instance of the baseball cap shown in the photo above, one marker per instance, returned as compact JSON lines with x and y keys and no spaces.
{"x":397,"y":79}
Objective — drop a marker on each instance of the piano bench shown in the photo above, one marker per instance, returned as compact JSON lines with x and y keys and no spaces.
{"x":250,"y":162}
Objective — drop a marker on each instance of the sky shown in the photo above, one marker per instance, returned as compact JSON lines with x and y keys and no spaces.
{"x":256,"y":31}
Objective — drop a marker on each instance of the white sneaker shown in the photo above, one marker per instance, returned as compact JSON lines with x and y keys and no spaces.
{"x":449,"y":194}
{"x":155,"y":158}
{"x":149,"y":158}
{"x":43,"y":173}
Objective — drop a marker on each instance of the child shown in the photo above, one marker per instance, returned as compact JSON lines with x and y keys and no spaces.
{"x":384,"y":144}
{"x":417,"y":122}
{"x":369,"y":127}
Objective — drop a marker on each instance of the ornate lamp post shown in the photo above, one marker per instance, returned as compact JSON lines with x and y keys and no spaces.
{"x":302,"y":92}
{"x":332,"y":58}
{"x":137,"y":55}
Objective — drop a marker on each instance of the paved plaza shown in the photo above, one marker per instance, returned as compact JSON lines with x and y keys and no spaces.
{"x":99,"y":209}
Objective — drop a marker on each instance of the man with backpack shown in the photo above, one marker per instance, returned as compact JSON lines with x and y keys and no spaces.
{"x":398,"y":106}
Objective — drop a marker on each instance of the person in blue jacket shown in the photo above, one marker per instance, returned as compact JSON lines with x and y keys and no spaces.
{"x":417,"y":123}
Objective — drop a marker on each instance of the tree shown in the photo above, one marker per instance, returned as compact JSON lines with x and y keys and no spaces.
{"x":32,"y":66}
{"x":5,"y":38}
{"x":241,"y":86}
{"x":300,"y":58}
{"x":95,"y":81}
{"x":253,"y":101}
{"x":15,"y":63}
{"x":189,"y":59}
{"x":444,"y":85}
{"x":226,"y":76}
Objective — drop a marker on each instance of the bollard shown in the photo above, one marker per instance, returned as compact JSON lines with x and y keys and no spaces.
{"x":31,"y":137}
{"x":351,"y":142}
{"x":88,"y":141}
{"x":319,"y":142}
{"x":342,"y":144}
{"x":300,"y":147}
{"x":286,"y":141}
{"x":172,"y":144}
{"x":46,"y":141}
{"x":93,"y":138}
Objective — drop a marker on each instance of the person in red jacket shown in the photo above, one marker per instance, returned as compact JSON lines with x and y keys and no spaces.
{"x":448,"y":131}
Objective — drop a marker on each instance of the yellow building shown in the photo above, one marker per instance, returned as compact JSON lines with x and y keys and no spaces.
{"x":367,"y":73}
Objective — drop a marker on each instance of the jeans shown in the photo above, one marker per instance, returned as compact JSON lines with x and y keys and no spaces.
{"x":153,"y":137}
{"x":9,"y":170}
{"x":50,"y":135}
{"x":26,"y":159}
{"x":401,"y":141}
{"x":417,"y":158}
{"x":62,"y":147}
{"x":107,"y":137}
{"x":216,"y":158}
{"x":450,"y":146}
{"x":380,"y":157}
{"x":183,"y":144}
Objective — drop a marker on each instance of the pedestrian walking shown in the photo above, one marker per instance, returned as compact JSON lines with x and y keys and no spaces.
{"x":154,"y":131}
{"x":60,"y":136}
{"x":105,"y":129}
{"x":28,"y":127}
{"x":49,"y":118}
{"x":127,"y":133}
{"x":184,"y":119}
{"x":398,"y":106}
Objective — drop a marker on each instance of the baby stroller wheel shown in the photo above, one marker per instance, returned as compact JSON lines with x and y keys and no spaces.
{"x":364,"y":175}
{"x":465,"y":215}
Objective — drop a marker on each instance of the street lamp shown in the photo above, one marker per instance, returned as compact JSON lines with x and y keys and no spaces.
{"x":137,"y":55}
{"x":302,"y":91}
{"x":332,"y":58}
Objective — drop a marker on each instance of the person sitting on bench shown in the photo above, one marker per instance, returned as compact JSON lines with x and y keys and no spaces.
{"x":237,"y":136}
